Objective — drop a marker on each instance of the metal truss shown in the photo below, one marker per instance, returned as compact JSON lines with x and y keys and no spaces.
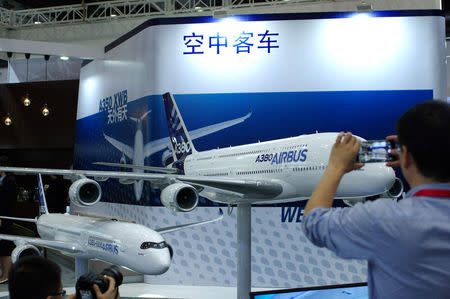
{"x":120,"y":9}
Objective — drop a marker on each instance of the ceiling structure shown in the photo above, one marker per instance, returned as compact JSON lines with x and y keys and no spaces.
{"x":97,"y":23}
{"x":16,"y":14}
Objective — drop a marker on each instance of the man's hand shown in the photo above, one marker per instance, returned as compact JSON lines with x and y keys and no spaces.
{"x":111,"y":292}
{"x":342,"y":160}
{"x":343,"y":154}
{"x":394,"y":152}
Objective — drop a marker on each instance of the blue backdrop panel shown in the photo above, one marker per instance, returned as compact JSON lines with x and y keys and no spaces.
{"x":369,"y":114}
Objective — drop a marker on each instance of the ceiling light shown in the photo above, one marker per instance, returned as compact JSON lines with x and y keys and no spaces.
{"x":7,"y":120}
{"x":64,"y":58}
{"x":364,"y":7}
{"x":45,"y":111}
{"x":26,"y":100}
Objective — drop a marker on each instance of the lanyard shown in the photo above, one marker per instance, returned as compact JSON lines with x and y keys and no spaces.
{"x":433,"y":193}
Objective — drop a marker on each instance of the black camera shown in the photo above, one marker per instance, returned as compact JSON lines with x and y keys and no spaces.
{"x":84,"y":286}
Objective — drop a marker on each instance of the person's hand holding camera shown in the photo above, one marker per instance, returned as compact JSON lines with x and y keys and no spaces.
{"x":111,"y":293}
{"x":343,"y":153}
{"x":394,"y":152}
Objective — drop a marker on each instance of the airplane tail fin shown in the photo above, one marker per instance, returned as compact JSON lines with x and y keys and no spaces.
{"x":180,"y":140}
{"x":42,"y":203}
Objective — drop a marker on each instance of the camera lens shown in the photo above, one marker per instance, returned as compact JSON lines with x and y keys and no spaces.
{"x":114,"y":273}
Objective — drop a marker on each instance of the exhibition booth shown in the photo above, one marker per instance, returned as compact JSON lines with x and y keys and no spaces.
{"x":240,"y":80}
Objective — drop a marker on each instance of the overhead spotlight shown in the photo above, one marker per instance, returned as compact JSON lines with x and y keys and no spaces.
{"x":64,"y":58}
{"x":364,"y":7}
{"x":26,"y":100}
{"x":220,"y":14}
{"x":45,"y":111}
{"x":7,"y":120}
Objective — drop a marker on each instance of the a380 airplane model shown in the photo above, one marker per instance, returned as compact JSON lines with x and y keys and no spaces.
{"x":265,"y":172}
{"x":140,"y":151}
{"x":131,"y":245}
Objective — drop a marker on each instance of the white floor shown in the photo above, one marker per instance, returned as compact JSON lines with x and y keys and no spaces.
{"x":144,"y":290}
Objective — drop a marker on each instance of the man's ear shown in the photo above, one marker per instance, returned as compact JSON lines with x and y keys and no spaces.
{"x":407,"y":159}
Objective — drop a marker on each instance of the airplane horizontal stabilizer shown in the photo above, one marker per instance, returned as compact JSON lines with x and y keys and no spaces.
{"x":131,"y":166}
{"x":57,"y":245}
{"x":183,"y":226}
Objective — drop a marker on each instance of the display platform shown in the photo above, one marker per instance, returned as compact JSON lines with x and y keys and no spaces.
{"x":145,"y":290}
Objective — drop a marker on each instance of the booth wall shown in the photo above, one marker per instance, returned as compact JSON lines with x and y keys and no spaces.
{"x":298,"y":74}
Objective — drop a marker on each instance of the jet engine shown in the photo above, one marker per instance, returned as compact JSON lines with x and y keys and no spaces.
{"x":24,"y":250}
{"x":395,"y":191}
{"x":179,"y":197}
{"x":85,"y":192}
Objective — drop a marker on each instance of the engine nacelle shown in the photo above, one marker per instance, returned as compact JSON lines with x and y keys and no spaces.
{"x":395,"y":191}
{"x":85,"y":192}
{"x":179,"y":197}
{"x":24,"y":250}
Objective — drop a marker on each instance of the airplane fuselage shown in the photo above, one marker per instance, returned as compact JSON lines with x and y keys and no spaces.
{"x":296,"y":163}
{"x":119,"y":243}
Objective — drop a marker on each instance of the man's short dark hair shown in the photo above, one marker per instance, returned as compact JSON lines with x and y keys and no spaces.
{"x":34,"y":277}
{"x":425,"y":131}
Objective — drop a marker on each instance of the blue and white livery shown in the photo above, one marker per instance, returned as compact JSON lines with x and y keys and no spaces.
{"x":126,"y":244}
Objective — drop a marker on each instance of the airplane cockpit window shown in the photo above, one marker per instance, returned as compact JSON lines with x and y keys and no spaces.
{"x":160,"y":245}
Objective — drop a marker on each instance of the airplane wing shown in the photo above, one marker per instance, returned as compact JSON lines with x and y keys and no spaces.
{"x":183,"y":226}
{"x":131,"y":166}
{"x":125,"y":149}
{"x":57,"y":245}
{"x":162,"y":143}
{"x":209,"y":186}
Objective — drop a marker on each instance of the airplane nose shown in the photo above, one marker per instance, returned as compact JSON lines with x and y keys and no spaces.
{"x":383,"y":176}
{"x":372,"y":179}
{"x":162,"y":263}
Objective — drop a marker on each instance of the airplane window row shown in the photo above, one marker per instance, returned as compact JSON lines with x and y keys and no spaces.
{"x":295,"y":146}
{"x":244,"y":153}
{"x":320,"y":167}
{"x":160,"y":245}
{"x":204,"y":158}
{"x":217,"y":174}
{"x":259,"y":171}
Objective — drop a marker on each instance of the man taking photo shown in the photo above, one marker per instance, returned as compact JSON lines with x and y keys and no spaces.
{"x":406,"y":242}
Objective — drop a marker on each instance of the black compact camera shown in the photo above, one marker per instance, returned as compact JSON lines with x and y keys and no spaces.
{"x":373,"y":151}
{"x":84,"y":286}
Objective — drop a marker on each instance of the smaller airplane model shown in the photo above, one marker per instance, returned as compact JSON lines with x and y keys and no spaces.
{"x":130,"y":245}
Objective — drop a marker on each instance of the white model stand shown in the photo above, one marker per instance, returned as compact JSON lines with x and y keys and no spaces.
{"x":244,"y":227}
{"x":81,"y":267}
